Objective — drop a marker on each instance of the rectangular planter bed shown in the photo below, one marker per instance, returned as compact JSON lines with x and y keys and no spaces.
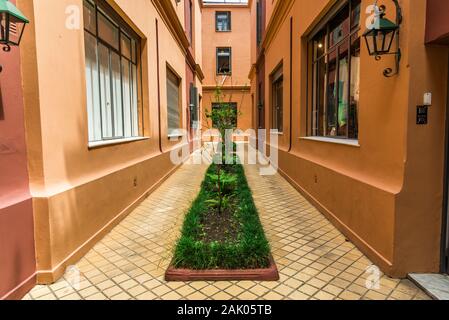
{"x":223,"y":243}
{"x":268,"y":274}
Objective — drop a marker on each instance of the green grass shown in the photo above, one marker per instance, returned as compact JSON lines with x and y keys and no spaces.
{"x":250,"y":250}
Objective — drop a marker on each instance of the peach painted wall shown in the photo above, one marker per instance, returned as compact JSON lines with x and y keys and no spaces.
{"x":235,"y":87}
{"x":17,"y":257}
{"x":385,"y":193}
{"x":64,"y":172}
{"x":238,"y":39}
{"x":244,"y":106}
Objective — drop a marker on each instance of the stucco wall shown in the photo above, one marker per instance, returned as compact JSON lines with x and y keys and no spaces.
{"x":17,"y":258}
{"x":238,"y":39}
{"x":236,"y":86}
{"x":79,"y":192}
{"x":437,"y":26}
{"x":385,"y":193}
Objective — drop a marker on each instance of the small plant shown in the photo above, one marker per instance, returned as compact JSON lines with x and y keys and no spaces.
{"x":240,"y":242}
{"x":224,"y":118}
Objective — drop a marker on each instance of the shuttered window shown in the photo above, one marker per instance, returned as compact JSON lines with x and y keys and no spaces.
{"x":173,"y":106}
{"x":194,"y":107}
{"x":277,"y":90}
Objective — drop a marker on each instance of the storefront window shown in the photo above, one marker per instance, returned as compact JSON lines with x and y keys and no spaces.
{"x":336,"y":68}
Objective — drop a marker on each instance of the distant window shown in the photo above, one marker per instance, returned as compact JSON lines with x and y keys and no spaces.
{"x":173,"y":105}
{"x":217,"y":107}
{"x":112,"y":74}
{"x":223,"y":21}
{"x":224,"y":61}
{"x":277,"y":90}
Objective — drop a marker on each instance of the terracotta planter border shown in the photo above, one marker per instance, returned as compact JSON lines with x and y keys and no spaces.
{"x":269,"y":274}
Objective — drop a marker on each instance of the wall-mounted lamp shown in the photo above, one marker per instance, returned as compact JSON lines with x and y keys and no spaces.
{"x":381,"y":35}
{"x":12,"y":25}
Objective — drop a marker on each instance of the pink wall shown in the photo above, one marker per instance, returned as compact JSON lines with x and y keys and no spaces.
{"x":17,"y":255}
{"x":437,"y":29}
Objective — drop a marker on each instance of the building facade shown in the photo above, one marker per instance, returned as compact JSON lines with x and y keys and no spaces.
{"x":226,"y":38}
{"x":349,"y":136}
{"x":110,"y":88}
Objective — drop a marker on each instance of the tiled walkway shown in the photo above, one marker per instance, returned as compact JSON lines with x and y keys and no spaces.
{"x":314,"y":258}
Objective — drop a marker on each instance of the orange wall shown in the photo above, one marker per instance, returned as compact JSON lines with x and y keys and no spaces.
{"x":385,"y":193}
{"x":238,"y":39}
{"x":79,"y":193}
{"x":244,"y":106}
{"x":235,"y":87}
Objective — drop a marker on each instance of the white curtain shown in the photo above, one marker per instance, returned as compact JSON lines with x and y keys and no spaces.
{"x":92,"y":89}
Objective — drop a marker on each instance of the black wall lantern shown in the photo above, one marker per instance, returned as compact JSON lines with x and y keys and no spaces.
{"x":380,"y":37}
{"x":12,"y":25}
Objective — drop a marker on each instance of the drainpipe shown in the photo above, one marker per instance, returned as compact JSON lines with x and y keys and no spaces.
{"x":291,"y":83}
{"x":158,"y":87}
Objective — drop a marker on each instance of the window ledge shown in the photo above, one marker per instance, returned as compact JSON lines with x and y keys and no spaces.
{"x":346,"y":142}
{"x":105,"y":143}
{"x":175,"y":135}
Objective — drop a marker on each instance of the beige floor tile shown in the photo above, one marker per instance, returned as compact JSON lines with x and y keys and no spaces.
{"x":88,"y":292}
{"x":112,"y":291}
{"x":148,"y":295}
{"x":348,"y":295}
{"x":373,"y":295}
{"x":97,"y":296}
{"x":234,"y":290}
{"x":105,"y":285}
{"x":196,"y":296}
{"x":322,"y":295}
{"x":185,"y":290}
{"x":172,"y":295}
{"x":137,"y":290}
{"x":222,"y":296}
{"x":161,"y":290}
{"x":273,"y":296}
{"x":209,"y":290}
{"x":297,"y":295}
{"x":314,"y":258}
{"x":72,"y":297}
{"x":121,"y":296}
